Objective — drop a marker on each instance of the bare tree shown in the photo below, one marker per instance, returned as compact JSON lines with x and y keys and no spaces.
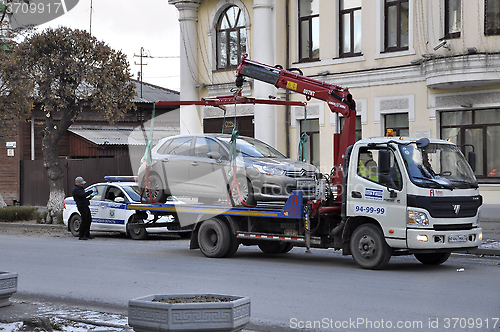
{"x":63,"y":71}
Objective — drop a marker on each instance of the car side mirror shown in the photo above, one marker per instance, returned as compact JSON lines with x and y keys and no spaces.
{"x":471,"y":156}
{"x":214,"y":155}
{"x":119,"y":200}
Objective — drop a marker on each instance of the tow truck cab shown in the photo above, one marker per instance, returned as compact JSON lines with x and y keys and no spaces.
{"x":422,"y":193}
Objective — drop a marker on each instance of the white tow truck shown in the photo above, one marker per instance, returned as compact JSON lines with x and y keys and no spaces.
{"x":385,"y":196}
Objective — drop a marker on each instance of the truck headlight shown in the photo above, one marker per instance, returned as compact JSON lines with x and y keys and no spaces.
{"x":417,"y":218}
{"x":269,"y":170}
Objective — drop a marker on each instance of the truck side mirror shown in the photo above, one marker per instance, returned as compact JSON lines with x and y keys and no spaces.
{"x":384,"y":161}
{"x":472,"y":160}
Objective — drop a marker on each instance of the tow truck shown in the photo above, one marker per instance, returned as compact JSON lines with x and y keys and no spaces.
{"x":385,"y":196}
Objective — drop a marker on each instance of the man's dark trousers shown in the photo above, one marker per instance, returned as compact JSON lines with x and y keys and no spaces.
{"x":84,"y":231}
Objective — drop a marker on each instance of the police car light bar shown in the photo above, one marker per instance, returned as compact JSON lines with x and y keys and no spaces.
{"x":121,"y":178}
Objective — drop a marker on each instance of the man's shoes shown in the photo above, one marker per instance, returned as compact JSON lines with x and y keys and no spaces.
{"x":82,"y":238}
{"x":90,"y":237}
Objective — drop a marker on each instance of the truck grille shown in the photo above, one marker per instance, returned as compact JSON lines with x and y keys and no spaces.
{"x":447,"y":207}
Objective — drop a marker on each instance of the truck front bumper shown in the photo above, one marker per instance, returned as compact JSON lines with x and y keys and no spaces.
{"x":429,"y":239}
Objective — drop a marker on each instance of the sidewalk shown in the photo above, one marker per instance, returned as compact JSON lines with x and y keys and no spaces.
{"x":26,"y":314}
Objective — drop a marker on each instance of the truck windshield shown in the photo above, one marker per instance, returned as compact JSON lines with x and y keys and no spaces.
{"x":438,"y":166}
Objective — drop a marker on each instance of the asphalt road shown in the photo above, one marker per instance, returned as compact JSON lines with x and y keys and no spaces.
{"x":287,"y":291}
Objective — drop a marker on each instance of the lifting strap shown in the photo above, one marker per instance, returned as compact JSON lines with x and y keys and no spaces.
{"x":302,"y":155}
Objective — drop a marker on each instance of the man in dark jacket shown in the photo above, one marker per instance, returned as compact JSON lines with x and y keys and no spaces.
{"x":81,"y":198}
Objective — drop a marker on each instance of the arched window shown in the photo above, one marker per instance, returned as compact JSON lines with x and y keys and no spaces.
{"x":231,"y":38}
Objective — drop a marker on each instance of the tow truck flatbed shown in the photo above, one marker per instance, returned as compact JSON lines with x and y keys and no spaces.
{"x":293,"y":209}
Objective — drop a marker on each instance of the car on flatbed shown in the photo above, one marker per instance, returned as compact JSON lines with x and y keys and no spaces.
{"x":199,"y":166}
{"x":109,"y":213}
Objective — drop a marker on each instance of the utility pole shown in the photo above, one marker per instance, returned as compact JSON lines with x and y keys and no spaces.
{"x":142,"y":55}
{"x":90,"y":17}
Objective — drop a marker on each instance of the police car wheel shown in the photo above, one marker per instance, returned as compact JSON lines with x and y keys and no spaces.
{"x":74,"y":224}
{"x":137,"y":233}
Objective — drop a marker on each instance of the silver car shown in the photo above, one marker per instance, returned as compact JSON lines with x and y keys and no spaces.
{"x":199,"y":166}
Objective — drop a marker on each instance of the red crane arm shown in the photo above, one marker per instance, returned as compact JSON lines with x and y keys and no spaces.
{"x":338,"y":99}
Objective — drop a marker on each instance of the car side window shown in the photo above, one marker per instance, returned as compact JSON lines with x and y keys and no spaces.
{"x":163,"y":149}
{"x":112,"y":193}
{"x":100,"y":193}
{"x":205,"y":145}
{"x":180,"y":146}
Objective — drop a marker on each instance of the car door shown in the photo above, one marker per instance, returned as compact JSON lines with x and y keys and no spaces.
{"x":175,"y":162}
{"x":208,"y":175}
{"x":375,"y":195}
{"x":113,"y":213}
{"x":96,"y":210}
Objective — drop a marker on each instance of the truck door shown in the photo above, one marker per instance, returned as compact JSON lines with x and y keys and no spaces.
{"x":377,"y":195}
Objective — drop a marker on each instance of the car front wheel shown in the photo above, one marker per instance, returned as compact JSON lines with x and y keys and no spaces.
{"x":74,"y":224}
{"x":368,"y":247}
{"x":242,"y":194}
{"x":139,"y":233}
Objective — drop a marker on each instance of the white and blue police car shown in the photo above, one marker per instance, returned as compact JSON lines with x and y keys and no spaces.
{"x":109,"y":213}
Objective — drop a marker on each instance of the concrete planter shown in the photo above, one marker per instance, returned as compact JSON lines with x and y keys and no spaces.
{"x":8,"y":286}
{"x":157,"y":313}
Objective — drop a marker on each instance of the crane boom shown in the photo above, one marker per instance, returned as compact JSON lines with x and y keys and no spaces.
{"x":337,"y":98}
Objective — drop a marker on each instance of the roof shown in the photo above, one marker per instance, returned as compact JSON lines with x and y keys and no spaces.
{"x":153,"y":93}
{"x":121,"y":135}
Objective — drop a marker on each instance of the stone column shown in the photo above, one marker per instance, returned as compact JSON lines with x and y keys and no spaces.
{"x":264,"y":52}
{"x":190,"y":116}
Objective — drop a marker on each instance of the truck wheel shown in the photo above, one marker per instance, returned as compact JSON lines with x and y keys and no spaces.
{"x":157,"y":193}
{"x":246,"y":192}
{"x":433,"y":259}
{"x":368,"y":247}
{"x":287,"y":248}
{"x":137,"y":233}
{"x":233,"y":247}
{"x":269,"y":247}
{"x":74,"y":224}
{"x":214,"y":238}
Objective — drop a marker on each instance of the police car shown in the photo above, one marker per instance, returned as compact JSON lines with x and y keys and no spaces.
{"x":109,"y":213}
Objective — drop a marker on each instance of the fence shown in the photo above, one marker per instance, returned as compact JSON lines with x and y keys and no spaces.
{"x":35,"y":184}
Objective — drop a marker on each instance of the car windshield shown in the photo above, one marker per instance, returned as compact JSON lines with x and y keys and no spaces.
{"x":251,"y":147}
{"x":438,"y":166}
{"x":133,"y":192}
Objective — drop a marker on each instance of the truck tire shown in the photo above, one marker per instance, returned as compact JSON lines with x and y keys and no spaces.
{"x":74,"y":224}
{"x":214,"y":238}
{"x":433,"y":259}
{"x":233,"y":247}
{"x":136,"y":233}
{"x":269,"y":247}
{"x":368,"y":247}
{"x":157,"y":193}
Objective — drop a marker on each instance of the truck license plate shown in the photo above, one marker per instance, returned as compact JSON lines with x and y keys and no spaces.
{"x":458,"y":238}
{"x":305,"y":184}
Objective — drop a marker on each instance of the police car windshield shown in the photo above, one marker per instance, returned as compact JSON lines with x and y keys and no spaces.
{"x":438,"y":166}
{"x":133,"y":192}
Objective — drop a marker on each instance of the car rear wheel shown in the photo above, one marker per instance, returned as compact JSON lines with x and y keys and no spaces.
{"x":74,"y":224}
{"x":245,"y":195}
{"x":155,"y":193}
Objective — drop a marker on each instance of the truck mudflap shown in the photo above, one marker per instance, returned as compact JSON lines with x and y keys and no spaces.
{"x":430,"y":239}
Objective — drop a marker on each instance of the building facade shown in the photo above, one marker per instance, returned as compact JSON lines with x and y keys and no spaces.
{"x":424,"y":68}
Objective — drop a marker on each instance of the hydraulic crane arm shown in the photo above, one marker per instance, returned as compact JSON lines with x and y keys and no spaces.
{"x":338,"y":99}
